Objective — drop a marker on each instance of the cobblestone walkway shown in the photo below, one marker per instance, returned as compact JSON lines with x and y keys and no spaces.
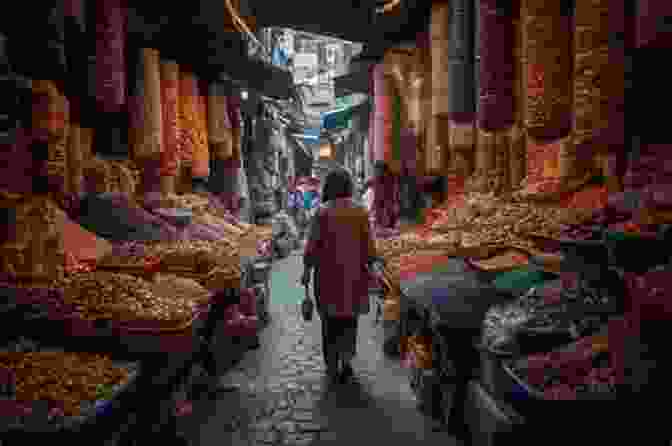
{"x":284,"y":398}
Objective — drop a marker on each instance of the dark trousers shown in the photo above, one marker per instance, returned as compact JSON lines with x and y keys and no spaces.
{"x":338,"y":335}
{"x":465,"y":357}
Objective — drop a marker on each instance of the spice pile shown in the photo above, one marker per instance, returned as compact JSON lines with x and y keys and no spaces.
{"x":122,"y":298}
{"x":65,"y":380}
{"x":194,"y":256}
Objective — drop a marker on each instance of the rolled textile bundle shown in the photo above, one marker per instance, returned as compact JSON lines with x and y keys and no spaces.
{"x":111,"y":17}
{"x":170,"y":75}
{"x":86,"y":143}
{"x":219,"y":124}
{"x":438,"y":154}
{"x":233,"y":109}
{"x":440,"y":24}
{"x":517,"y":158}
{"x":382,"y":120}
{"x":200,"y":167}
{"x":151,"y":142}
{"x":75,"y":160}
{"x":409,"y":150}
{"x":394,"y":160}
{"x":496,"y":70}
{"x":49,"y":109}
{"x":547,"y":46}
{"x":188,"y":114}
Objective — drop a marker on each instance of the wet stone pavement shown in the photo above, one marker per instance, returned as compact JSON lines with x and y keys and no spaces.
{"x":283,"y":397}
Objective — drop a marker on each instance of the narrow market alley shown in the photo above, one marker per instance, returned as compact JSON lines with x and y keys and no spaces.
{"x":284,"y":398}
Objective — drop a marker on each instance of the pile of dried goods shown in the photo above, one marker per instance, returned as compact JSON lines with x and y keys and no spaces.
{"x":122,"y":298}
{"x":63,"y":379}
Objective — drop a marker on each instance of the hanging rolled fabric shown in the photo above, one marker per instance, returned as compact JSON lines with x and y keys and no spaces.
{"x":50,"y":124}
{"x":547,"y":44}
{"x":170,"y":75}
{"x":496,"y":70}
{"x":233,"y":109}
{"x":394,"y":160}
{"x":440,"y":28}
{"x":48,"y":110}
{"x":438,"y":150}
{"x":200,"y":167}
{"x":86,"y":135}
{"x":219,"y":124}
{"x":147,"y":138}
{"x":188,"y":110}
{"x":110,"y":16}
{"x":438,"y":154}
{"x":517,"y":160}
{"x":613,"y":136}
{"x":75,"y":160}
{"x":382,"y":124}
{"x":461,"y":94}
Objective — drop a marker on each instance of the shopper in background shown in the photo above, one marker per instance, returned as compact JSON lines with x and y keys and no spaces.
{"x":338,"y":249}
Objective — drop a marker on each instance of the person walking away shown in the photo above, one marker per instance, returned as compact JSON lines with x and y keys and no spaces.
{"x":337,"y":252}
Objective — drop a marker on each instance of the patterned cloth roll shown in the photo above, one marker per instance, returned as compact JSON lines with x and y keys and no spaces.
{"x":111,"y":17}
{"x":170,"y":75}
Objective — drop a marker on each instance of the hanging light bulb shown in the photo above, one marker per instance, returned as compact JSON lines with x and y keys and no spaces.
{"x":243,"y":95}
